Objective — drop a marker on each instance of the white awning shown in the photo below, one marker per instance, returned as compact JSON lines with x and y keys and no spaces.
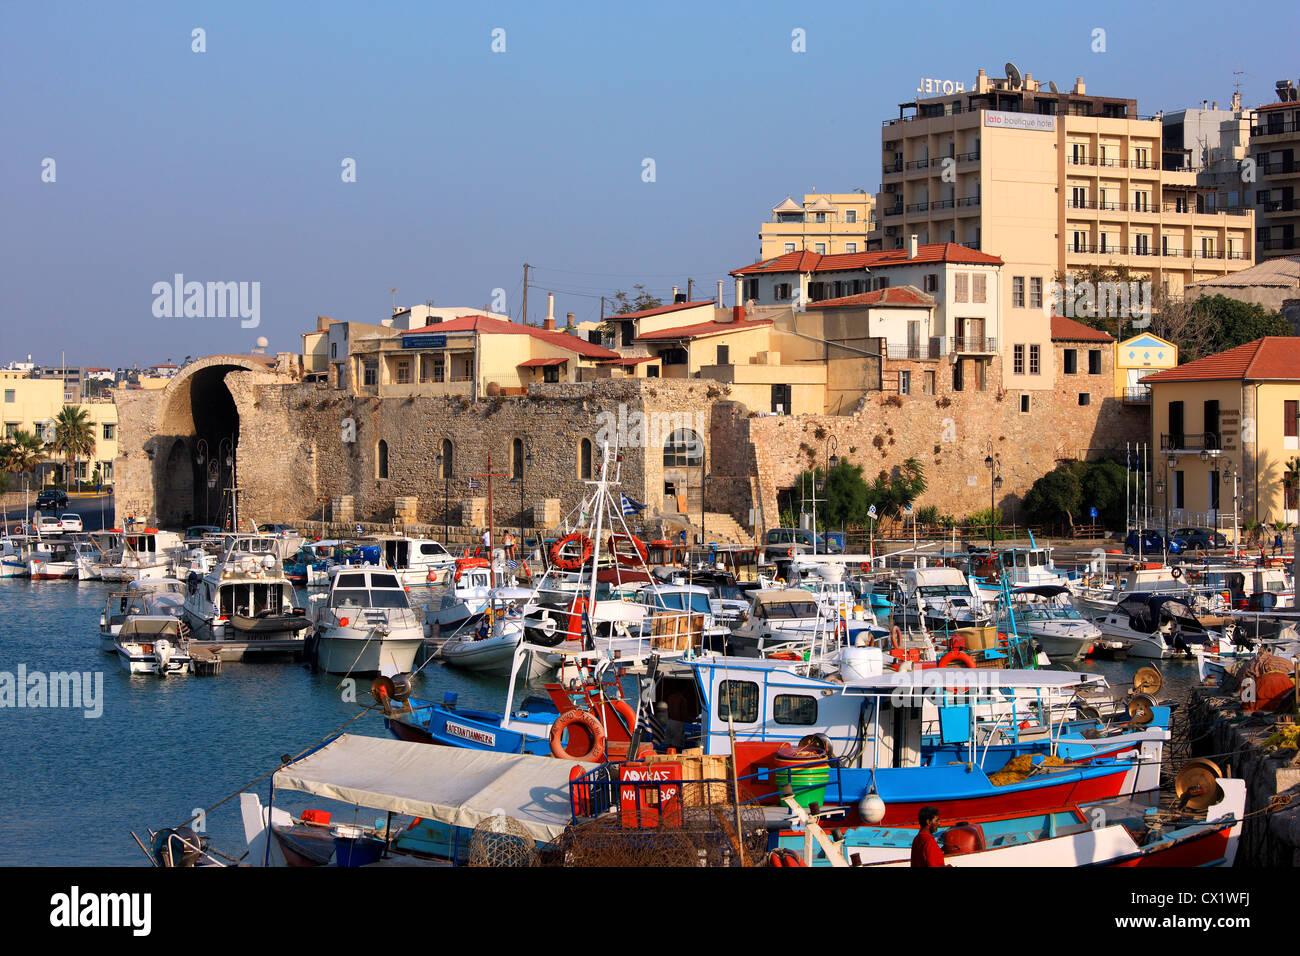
{"x":454,"y":786}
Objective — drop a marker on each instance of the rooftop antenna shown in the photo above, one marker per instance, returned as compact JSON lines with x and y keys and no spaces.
{"x":393,"y":292}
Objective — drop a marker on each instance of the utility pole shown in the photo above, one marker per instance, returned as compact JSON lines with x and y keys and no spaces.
{"x":524,"y":318}
{"x":602,"y":310}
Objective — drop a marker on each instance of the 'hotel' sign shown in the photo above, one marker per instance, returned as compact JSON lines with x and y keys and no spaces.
{"x":1034,"y":121}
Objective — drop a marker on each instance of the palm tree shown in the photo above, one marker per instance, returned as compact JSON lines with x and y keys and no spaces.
{"x":74,"y":437}
{"x":23,"y":452}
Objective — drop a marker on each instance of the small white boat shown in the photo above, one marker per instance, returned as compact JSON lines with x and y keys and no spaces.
{"x":365,"y":624}
{"x":416,"y":561}
{"x":153,"y":645}
{"x":1157,"y":626}
{"x":490,"y":647}
{"x":460,"y":598}
{"x":1044,"y":612}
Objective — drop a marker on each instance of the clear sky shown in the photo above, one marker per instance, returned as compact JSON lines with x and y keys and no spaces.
{"x":226,"y":165}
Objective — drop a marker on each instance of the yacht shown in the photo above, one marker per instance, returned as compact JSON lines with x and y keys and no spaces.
{"x":1044,"y":613}
{"x":1156,"y":626}
{"x":365,"y":625}
{"x":153,"y":645}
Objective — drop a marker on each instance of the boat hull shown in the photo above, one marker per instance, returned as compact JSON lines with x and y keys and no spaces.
{"x":350,"y":650}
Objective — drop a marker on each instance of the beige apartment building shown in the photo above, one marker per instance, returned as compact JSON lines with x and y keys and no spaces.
{"x":826,"y":223}
{"x":1275,"y":147}
{"x":1052,"y":183}
{"x":31,"y":404}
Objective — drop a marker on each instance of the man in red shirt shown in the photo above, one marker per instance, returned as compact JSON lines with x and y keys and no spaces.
{"x":925,"y":848}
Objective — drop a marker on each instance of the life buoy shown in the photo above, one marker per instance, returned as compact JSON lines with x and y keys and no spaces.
{"x":624,"y":710}
{"x":896,"y":637}
{"x":865,"y":566}
{"x":624,"y":558}
{"x":431,"y":576}
{"x":585,"y":725}
{"x":961,"y":656}
{"x":464,"y":564}
{"x":571,"y":564}
{"x":1176,"y":573}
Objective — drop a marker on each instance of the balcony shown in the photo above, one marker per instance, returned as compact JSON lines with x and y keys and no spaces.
{"x":917,"y":164}
{"x":1191,"y":442}
{"x":892,"y":168}
{"x":1279,"y":205}
{"x":1286,"y":242}
{"x":1279,"y":169}
{"x":896,"y":210}
{"x":929,"y":352}
{"x":1150,"y":164}
{"x":1138,"y":395}
{"x":1273,"y":128}
{"x":968,"y":157}
{"x":973,"y":345}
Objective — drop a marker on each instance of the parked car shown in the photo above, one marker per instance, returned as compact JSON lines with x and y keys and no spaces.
{"x":1199,"y":539}
{"x":49,"y":525}
{"x":52,"y":498}
{"x":283,"y":530}
{"x":70,"y":523}
{"x":199,"y":531}
{"x":1153,"y":542}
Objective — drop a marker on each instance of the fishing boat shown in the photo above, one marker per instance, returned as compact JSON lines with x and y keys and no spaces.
{"x":1019,"y":567}
{"x":939,"y":599}
{"x":785,"y":621}
{"x":245,"y":605}
{"x":365,"y":625}
{"x":1157,"y":626}
{"x":138,"y":555}
{"x":57,"y":559}
{"x":1044,"y":613}
{"x":148,"y":644}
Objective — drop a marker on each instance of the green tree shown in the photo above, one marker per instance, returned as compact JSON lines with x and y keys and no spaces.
{"x":21,"y":453}
{"x":74,"y":437}
{"x":1055,"y":496}
{"x":1232,"y":323}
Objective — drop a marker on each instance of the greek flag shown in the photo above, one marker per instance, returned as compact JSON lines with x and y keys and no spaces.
{"x":630,"y":507}
{"x":512,"y":565}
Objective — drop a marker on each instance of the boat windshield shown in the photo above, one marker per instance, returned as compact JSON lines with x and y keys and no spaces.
{"x":676,"y":601}
{"x":943,"y":590}
{"x":789,"y":609}
{"x":365,"y":597}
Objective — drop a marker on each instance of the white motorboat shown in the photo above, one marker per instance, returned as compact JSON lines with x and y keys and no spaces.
{"x":1044,"y":612}
{"x":1157,"y":626}
{"x":245,"y":605}
{"x":55,"y":559}
{"x":365,"y":625}
{"x":13,"y":563}
{"x":139,"y":555}
{"x":153,"y":645}
{"x":490,"y":646}
{"x":416,"y":561}
{"x":1019,"y":567}
{"x":164,"y":597}
{"x":939,"y":599}
{"x":780,"y":620}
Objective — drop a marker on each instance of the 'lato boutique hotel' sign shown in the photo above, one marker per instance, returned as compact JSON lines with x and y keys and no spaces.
{"x":1034,"y":121}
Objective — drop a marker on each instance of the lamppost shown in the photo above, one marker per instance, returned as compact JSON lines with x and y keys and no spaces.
{"x":525,"y":462}
{"x":994,"y":465}
{"x":226,"y":453}
{"x":200,"y":456}
{"x":1230,"y":472}
{"x":832,"y":462}
{"x":1207,"y":456}
{"x":444,"y":465}
{"x":704,"y":485}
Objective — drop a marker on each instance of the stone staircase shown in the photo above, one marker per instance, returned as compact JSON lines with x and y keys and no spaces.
{"x":718,"y":527}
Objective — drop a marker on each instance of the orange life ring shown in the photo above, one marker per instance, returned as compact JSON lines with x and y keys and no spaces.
{"x":622,"y":557}
{"x":864,"y":566}
{"x":585,"y":724}
{"x":896,"y":637}
{"x":961,"y":656}
{"x":624,"y":710}
{"x":571,"y":564}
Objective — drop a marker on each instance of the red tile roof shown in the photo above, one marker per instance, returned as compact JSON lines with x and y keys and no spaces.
{"x":700,"y":330}
{"x":846,"y":261}
{"x":629,"y":360}
{"x":1270,"y":358}
{"x":660,"y":310}
{"x":488,"y":326}
{"x":891,"y":295}
{"x":1275,"y":106}
{"x":1068,"y":330}
{"x":540,"y":362}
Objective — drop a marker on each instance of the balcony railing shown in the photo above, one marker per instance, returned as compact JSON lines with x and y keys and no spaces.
{"x":1273,"y":128}
{"x":892,"y":168}
{"x":1087,"y":249}
{"x":894,"y":210}
{"x":917,"y":164}
{"x":927,"y":352}
{"x":1138,"y":393}
{"x":1169,"y":207}
{"x":973,"y":344}
{"x":1152,"y":164}
{"x":1190,"y":441}
{"x":1286,"y":242}
{"x":1279,"y":205}
{"x":1277,"y":169}
{"x":957,"y":108}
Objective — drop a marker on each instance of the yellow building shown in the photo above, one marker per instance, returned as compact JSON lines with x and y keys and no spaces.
{"x":1138,"y":357}
{"x":1224,"y":421}
{"x":1053,"y":183}
{"x":826,"y":223}
{"x":31,"y":404}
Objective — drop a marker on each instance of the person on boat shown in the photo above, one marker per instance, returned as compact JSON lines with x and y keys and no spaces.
{"x":1277,"y":544}
{"x":509,"y":542}
{"x":925,"y":848}
{"x":486,"y":547}
{"x":130,"y":522}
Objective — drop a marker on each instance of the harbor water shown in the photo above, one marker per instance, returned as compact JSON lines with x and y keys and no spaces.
{"x":147,"y":752}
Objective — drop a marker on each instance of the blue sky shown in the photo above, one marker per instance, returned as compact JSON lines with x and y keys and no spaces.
{"x":225,"y":165}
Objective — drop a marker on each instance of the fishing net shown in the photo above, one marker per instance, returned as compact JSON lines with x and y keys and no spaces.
{"x":1018,"y":768}
{"x":502,"y":841}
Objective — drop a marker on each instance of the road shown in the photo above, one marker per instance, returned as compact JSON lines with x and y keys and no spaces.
{"x":96,"y":511}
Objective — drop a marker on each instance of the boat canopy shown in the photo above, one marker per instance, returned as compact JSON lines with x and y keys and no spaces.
{"x":1042,"y":590}
{"x":451,"y":785}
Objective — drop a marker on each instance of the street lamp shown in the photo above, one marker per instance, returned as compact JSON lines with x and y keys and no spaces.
{"x":993,"y":464}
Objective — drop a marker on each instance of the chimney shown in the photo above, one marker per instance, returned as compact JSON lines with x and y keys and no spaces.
{"x":911,"y":246}
{"x":549,"y":322}
{"x":674,"y":293}
{"x":568,"y":321}
{"x":738,"y":313}
{"x":719,"y":293}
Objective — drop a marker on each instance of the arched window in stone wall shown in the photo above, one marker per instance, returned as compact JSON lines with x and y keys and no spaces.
{"x":447,"y":462}
{"x":517,"y":458}
{"x":584,"y":458}
{"x":683,"y":449}
{"x":381,"y":460}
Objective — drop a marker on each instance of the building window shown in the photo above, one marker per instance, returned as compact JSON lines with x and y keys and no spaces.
{"x":1070,"y":361}
{"x":381,"y":460}
{"x":652,"y":371}
{"x":1024,"y":403}
{"x":584,"y":458}
{"x":724,"y":355}
{"x":1094,"y":362}
{"x":850,"y":215}
{"x":1017,"y":360}
{"x":11,"y":429}
{"x":334,"y":350}
{"x":1018,"y":292}
{"x":850,"y":247}
{"x":780,"y":399}
{"x":517,"y":458}
{"x":957,"y":373}
{"x":448,"y":459}
{"x":929,"y":383}
{"x":820,"y":248}
{"x":979,"y":287}
{"x":789,"y":247}
{"x":798,"y":709}
{"x":110,"y":431}
{"x":10,"y":396}
{"x":551,"y":374}
{"x":1291,"y":424}
{"x":905,"y":382}
{"x":738,"y":701}
{"x":1033,"y":360}
{"x":1179,"y":487}
{"x":1036,"y":292}
{"x":1142,"y":245}
{"x":684,"y":449}
{"x":1080,"y":241}
{"x":1085,"y":398}
{"x":931,"y":282}
{"x":370,"y":374}
{"x":403,"y":372}
{"x":782,"y":291}
{"x":961,"y":289}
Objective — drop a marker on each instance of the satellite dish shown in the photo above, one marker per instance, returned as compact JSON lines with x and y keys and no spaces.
{"x":1051,"y":84}
{"x":1013,"y":76}
{"x":1148,"y":680}
{"x":262,"y":342}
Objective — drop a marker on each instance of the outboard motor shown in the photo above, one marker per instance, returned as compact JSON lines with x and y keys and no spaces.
{"x":177,"y":847}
